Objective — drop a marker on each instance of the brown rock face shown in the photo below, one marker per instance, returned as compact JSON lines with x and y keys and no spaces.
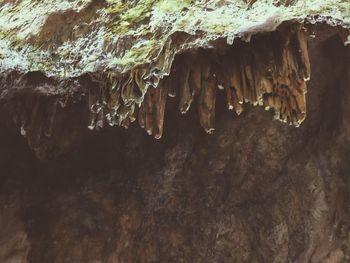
{"x":257,"y":190}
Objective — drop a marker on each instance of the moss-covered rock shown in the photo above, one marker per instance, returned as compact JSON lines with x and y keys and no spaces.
{"x":117,"y":36}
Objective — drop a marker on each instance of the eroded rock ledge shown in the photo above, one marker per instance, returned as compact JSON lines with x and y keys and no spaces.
{"x":123,"y":60}
{"x":255,"y":190}
{"x":271,"y":71}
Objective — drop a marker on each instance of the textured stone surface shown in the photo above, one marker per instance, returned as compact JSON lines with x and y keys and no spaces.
{"x":271,"y":71}
{"x":69,"y":38}
{"x":256,"y":190}
{"x":115,"y":57}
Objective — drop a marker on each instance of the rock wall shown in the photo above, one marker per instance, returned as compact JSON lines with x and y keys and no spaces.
{"x":257,"y":190}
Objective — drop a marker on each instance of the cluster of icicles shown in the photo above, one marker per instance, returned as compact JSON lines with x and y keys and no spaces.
{"x":270,"y":71}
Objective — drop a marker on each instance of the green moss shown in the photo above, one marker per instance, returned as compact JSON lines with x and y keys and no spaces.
{"x":12,"y":9}
{"x":219,"y":29}
{"x":11,"y":37}
{"x":129,"y":18}
{"x":115,"y":7}
{"x":144,"y":24}
{"x":43,"y":65}
{"x":139,"y":54}
{"x":139,"y":12}
{"x":171,"y":6}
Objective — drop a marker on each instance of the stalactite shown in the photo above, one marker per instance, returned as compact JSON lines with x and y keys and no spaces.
{"x":236,"y":87}
{"x":301,"y":39}
{"x":148,"y":111}
{"x":130,"y":90}
{"x":207,"y":99}
{"x":113,"y":104}
{"x":172,"y":84}
{"x":152,"y":109}
{"x":36,"y":114}
{"x":185,"y":93}
{"x":160,"y":102}
{"x":269,"y":71}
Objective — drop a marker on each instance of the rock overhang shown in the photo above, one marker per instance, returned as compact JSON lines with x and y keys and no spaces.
{"x":136,"y":54}
{"x":67,"y":39}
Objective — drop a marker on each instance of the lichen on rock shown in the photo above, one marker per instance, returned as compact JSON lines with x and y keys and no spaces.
{"x":117,"y":36}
